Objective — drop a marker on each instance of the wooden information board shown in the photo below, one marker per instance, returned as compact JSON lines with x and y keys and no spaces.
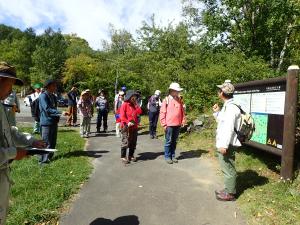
{"x":272,"y":103}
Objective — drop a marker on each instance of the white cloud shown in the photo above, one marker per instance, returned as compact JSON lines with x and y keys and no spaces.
{"x":89,"y":19}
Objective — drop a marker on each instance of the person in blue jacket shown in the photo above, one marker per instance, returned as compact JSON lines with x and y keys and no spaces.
{"x":49,"y":118}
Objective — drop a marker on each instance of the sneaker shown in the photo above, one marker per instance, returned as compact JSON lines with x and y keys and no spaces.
{"x":169,"y":161}
{"x":175,"y":160}
{"x":125,"y":161}
{"x":151,"y":137}
{"x":218,"y":192}
{"x":225,"y":197}
{"x":133,"y":159}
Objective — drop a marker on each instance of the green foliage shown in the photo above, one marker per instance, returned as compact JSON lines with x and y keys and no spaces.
{"x":16,"y":47}
{"x":49,"y":56}
{"x":264,"y":28}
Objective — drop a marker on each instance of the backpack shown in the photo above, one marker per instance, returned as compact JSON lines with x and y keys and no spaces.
{"x":246,"y":127}
{"x":35,"y":109}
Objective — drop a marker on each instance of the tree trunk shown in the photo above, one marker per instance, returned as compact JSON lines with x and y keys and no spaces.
{"x":272,"y":62}
{"x":283,"y":51}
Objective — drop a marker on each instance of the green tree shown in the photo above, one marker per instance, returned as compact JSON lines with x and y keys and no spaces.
{"x":76,"y":46}
{"x":258,"y":27}
{"x":49,"y":56}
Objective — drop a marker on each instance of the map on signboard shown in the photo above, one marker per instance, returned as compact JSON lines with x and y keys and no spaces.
{"x":261,"y":128}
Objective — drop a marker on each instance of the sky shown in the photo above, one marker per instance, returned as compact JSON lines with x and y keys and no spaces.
{"x":89,"y":19}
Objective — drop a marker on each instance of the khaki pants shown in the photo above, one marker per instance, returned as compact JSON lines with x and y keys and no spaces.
{"x":227,"y":163}
{"x":72,"y":115}
{"x":4,"y":194}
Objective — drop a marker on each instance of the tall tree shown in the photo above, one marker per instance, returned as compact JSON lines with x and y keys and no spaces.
{"x":257,"y":27}
{"x":49,"y":56}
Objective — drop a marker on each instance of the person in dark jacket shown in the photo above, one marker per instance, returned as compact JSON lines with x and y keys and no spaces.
{"x":49,"y":118}
{"x":153,"y":107}
{"x":72,"y":106}
{"x":102,"y":108}
{"x":129,"y":112}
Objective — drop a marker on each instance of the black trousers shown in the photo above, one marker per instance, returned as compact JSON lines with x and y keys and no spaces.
{"x":153,"y":118}
{"x":102,"y":115}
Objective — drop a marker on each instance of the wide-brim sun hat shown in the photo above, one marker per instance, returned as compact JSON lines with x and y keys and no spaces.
{"x":9,"y":71}
{"x":227,"y":87}
{"x":175,"y":86}
{"x":84,"y":92}
{"x":129,"y":94}
{"x":49,"y":82}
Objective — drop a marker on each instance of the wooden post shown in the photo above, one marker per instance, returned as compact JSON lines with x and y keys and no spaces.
{"x":290,"y":114}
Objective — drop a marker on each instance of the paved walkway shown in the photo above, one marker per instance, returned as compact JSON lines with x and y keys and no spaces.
{"x":148,"y":192}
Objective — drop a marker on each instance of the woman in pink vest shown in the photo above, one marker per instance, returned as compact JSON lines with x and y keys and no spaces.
{"x":172,"y":117}
{"x":129,"y":112}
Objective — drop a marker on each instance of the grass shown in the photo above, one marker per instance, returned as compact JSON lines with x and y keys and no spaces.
{"x":263,"y":198}
{"x":39,"y":192}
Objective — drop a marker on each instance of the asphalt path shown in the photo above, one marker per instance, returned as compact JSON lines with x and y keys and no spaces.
{"x":150,"y":191}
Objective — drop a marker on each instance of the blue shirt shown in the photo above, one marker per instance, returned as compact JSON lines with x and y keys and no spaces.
{"x":48,"y":109}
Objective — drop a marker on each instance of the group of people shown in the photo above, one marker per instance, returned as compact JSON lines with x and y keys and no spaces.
{"x":127,"y":108}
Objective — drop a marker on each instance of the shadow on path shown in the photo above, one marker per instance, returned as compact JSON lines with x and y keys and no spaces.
{"x":145,"y":132}
{"x":249,"y":179}
{"x":191,"y":154}
{"x":145,"y":156}
{"x":123,"y":220}
{"x":92,"y":154}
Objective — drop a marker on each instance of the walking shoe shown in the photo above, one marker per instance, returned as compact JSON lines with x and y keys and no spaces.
{"x":225,"y":197}
{"x":151,"y":137}
{"x":133,"y":159}
{"x":125,"y":161}
{"x":217,"y":192}
{"x":175,"y":160}
{"x":169,"y":161}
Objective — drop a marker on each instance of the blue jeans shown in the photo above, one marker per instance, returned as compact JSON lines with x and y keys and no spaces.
{"x":49,"y":135}
{"x":171,"y":135}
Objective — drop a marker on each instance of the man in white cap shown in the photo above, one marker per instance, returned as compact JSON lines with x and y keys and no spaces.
{"x":172,"y":117}
{"x":154,"y":104}
{"x":228,"y":118}
{"x":10,"y":138}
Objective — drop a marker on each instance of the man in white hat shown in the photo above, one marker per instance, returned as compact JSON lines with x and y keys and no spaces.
{"x":154,"y":104}
{"x":10,"y":138}
{"x":228,"y":118}
{"x":172,"y":117}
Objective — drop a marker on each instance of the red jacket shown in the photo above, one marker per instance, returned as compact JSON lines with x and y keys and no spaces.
{"x":129,"y":113}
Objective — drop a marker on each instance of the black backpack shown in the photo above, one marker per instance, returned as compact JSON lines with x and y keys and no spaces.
{"x":35,"y":109}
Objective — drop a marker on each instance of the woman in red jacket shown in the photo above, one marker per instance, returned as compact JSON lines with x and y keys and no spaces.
{"x":129,"y":112}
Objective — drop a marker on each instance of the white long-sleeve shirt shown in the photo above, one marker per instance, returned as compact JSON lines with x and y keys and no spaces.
{"x":228,"y":118}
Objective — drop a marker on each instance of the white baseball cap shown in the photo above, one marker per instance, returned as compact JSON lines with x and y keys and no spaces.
{"x":175,"y":86}
{"x":157,"y":92}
